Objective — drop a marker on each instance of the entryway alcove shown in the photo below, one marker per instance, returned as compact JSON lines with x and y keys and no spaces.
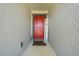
{"x":39,"y":28}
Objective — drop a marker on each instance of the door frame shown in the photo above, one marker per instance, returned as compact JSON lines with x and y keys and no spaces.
{"x":40,"y":12}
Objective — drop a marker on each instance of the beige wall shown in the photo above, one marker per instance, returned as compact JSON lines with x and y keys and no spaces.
{"x":63,"y":29}
{"x":14,"y":28}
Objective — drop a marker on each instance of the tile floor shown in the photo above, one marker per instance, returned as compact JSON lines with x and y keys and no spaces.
{"x":39,"y":51}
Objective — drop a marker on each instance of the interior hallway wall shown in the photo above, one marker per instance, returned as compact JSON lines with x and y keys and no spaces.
{"x":64,"y":29}
{"x":14,"y":28}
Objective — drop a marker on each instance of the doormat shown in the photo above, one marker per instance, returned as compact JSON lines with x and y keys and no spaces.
{"x":39,"y":43}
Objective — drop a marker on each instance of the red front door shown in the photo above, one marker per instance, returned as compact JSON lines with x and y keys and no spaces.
{"x":39,"y":27}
